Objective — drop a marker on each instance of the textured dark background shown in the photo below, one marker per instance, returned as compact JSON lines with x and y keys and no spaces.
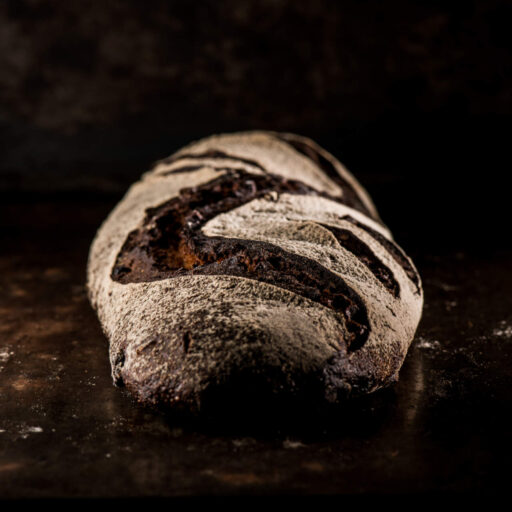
{"x":414,"y":97}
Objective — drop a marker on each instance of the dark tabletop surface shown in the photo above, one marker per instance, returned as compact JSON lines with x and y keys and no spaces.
{"x":66,"y":431}
{"x":414,"y":97}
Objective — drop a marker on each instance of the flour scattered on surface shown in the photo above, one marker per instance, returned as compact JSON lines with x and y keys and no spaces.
{"x":289,"y":444}
{"x":450,"y":304}
{"x":244,"y":442}
{"x":34,"y":430}
{"x":428,"y":344}
{"x":503,"y":331}
{"x":444,"y":286}
{"x":5,"y":355}
{"x":26,"y":430}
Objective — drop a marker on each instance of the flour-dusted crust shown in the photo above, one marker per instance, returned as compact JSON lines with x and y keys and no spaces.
{"x":253,"y":261}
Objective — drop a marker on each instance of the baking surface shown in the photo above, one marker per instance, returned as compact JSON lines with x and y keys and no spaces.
{"x":65,"y":431}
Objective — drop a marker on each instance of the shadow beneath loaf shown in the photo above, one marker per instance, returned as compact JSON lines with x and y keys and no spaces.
{"x":241,"y":411}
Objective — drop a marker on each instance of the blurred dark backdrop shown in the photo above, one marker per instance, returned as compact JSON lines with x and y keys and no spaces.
{"x":414,"y":97}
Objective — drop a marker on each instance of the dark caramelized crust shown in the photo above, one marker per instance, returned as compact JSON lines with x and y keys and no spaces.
{"x":349,"y":193}
{"x":170,"y":243}
{"x":212,"y":154}
{"x":349,"y":198}
{"x":183,"y":169}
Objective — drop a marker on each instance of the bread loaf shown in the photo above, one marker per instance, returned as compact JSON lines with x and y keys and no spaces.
{"x":251,"y":262}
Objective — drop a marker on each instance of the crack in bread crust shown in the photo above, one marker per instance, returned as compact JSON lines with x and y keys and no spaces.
{"x":212,"y":154}
{"x":170,"y":244}
{"x":352,"y":243}
{"x":393,"y":249}
{"x":352,"y":197}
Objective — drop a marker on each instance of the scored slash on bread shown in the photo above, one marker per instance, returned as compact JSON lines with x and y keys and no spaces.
{"x":251,"y":262}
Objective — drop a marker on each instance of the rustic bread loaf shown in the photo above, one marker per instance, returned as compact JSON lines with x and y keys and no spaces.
{"x":251,"y":262}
